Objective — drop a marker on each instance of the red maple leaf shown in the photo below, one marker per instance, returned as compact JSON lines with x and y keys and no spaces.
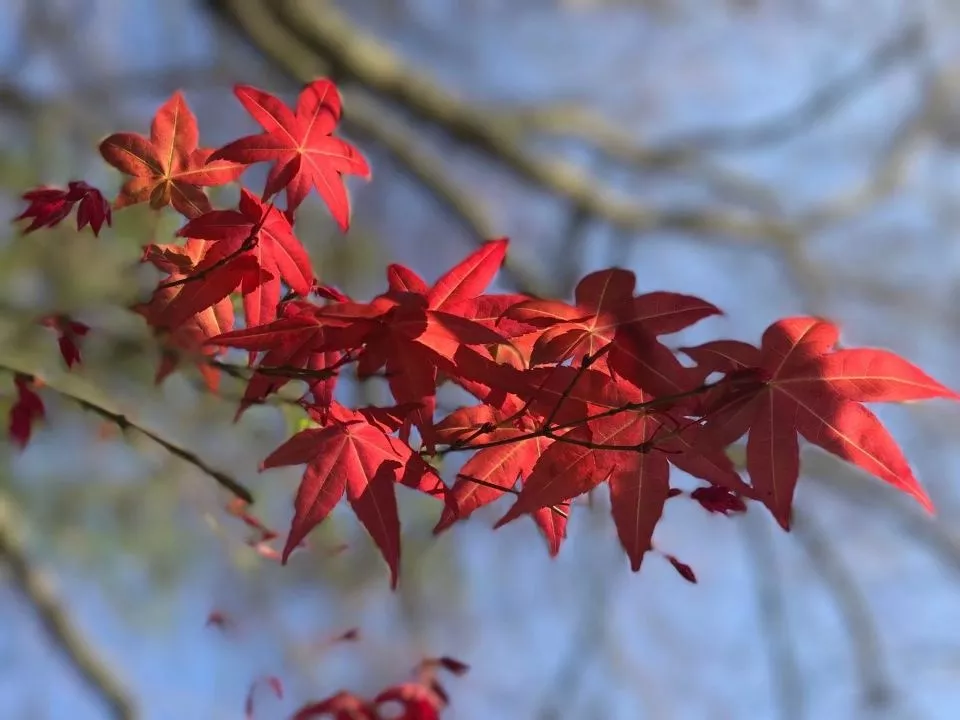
{"x":426,"y":328}
{"x":274,"y":248}
{"x":604,"y":302}
{"x":300,"y":146}
{"x":27,"y":409}
{"x":409,"y":334}
{"x":419,"y":701}
{"x":301,"y":344}
{"x":358,"y":459}
{"x":190,"y":335}
{"x":685,"y":571}
{"x":610,"y":431}
{"x":168,"y":168}
{"x":493,"y":471}
{"x":341,"y":706}
{"x":68,"y":331}
{"x":49,"y":206}
{"x":808,"y":388}
{"x":717,"y":499}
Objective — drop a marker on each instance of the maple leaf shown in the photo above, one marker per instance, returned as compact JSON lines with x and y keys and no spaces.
{"x":341,"y":706}
{"x":421,"y":333}
{"x":614,"y":437}
{"x":493,"y":471}
{"x":219,"y":620}
{"x":221,"y":269}
{"x":604,"y":302}
{"x":274,"y":247}
{"x":717,"y":499}
{"x":48,"y":206}
{"x":300,"y":146}
{"x":419,"y":701}
{"x":168,"y":168}
{"x":607,"y":318}
{"x":27,"y":409}
{"x":411,"y":335}
{"x":359,"y":460}
{"x":68,"y":331}
{"x":807,"y":388}
{"x":301,"y":339}
{"x":191,"y":334}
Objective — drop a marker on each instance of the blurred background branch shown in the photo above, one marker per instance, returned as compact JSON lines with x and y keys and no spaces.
{"x":38,"y":588}
{"x":774,"y":157}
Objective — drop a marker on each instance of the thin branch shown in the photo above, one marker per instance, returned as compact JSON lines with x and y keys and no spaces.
{"x":864,"y":492}
{"x":369,"y":120}
{"x":584,"y":126}
{"x":38,"y":590}
{"x":785,"y":673}
{"x":854,"y":608}
{"x":125,"y":423}
{"x":303,"y":41}
{"x":902,"y":45}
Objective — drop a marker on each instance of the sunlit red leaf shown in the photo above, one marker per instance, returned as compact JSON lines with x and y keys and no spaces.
{"x":169,"y":167}
{"x":362,"y":462}
{"x":300,"y":146}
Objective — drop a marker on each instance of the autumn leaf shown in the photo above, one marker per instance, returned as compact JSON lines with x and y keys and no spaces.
{"x":807,"y":388}
{"x":68,"y":331}
{"x":190,"y":336}
{"x":274,"y":247}
{"x":300,"y":145}
{"x":27,"y":409}
{"x":684,"y":570}
{"x":604,"y":303}
{"x":720,"y":500}
{"x":358,"y":460}
{"x":168,"y":168}
{"x":339,"y":706}
{"x":49,"y":206}
{"x":493,"y":471}
{"x":612,"y":436}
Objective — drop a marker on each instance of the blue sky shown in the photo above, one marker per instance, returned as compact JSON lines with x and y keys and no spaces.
{"x":654,"y":646}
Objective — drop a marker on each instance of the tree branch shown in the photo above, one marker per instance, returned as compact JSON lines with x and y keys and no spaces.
{"x":37,"y":589}
{"x":125,"y":423}
{"x":853,"y":606}
{"x":785,"y":673}
{"x":305,"y":42}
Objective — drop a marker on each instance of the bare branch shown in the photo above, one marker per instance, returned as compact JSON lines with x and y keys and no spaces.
{"x":38,"y":590}
{"x":853,"y":606}
{"x":902,"y":45}
{"x":305,"y":42}
{"x":125,"y":423}
{"x":785,"y":672}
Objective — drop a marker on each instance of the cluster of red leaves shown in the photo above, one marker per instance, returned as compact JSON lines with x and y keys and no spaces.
{"x":49,"y":206}
{"x":421,"y":698}
{"x":570,"y":395}
{"x":28,"y":408}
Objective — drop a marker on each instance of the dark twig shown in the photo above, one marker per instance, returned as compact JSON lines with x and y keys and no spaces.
{"x":124,"y":423}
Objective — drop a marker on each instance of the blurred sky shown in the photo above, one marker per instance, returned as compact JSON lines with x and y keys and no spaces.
{"x":646,"y":644}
